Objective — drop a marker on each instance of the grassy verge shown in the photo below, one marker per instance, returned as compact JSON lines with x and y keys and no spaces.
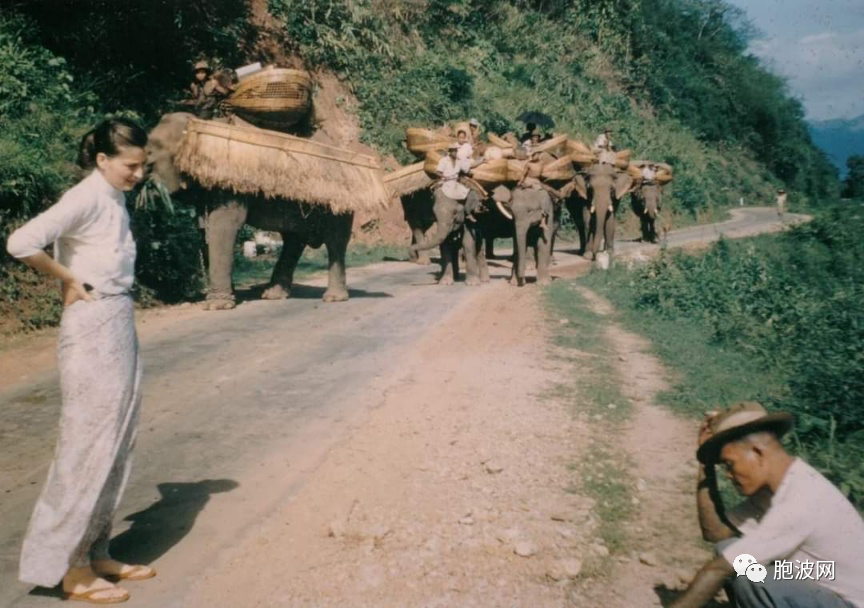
{"x":776,"y":318}
{"x":603,"y":471}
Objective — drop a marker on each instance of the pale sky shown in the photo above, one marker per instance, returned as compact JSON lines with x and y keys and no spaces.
{"x":818,"y":46}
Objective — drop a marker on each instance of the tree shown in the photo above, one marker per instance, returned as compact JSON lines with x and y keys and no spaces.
{"x":855,"y":177}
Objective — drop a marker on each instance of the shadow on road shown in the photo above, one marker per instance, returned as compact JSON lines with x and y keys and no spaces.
{"x":164,"y":524}
{"x":303,"y":292}
{"x":667,"y":596}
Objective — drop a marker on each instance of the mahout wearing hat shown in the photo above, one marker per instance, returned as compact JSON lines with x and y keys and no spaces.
{"x":202,"y":65}
{"x":738,"y":421}
{"x":474,"y":122}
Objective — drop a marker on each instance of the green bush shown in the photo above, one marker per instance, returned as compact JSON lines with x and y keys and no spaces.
{"x":794,"y":305}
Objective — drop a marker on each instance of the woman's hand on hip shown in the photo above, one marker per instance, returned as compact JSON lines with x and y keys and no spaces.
{"x":74,"y":291}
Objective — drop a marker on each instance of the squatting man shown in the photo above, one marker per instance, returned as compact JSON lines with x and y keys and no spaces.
{"x":792,"y":515}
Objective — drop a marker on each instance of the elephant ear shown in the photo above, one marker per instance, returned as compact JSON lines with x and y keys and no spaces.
{"x":162,"y":145}
{"x":580,"y":187}
{"x":623,"y":183}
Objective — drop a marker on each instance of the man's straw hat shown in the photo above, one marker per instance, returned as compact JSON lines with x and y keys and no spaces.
{"x":202,"y":65}
{"x":738,"y":421}
{"x":474,"y":122}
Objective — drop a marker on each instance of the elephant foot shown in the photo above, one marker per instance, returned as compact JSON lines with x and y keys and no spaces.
{"x":220,"y":304}
{"x":446,"y":280}
{"x":588,"y":255}
{"x":276,"y":292}
{"x":423,"y":261}
{"x":336,"y":295}
{"x":484,"y":278}
{"x":472,"y":281}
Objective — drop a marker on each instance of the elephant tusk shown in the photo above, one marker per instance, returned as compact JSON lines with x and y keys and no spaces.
{"x":503,"y":211}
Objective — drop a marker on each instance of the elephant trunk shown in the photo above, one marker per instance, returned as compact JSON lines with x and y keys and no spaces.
{"x":443,"y":230}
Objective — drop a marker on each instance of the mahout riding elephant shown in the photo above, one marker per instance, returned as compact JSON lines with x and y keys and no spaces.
{"x":224,"y":212}
{"x":646,"y":200}
{"x":450,"y":235}
{"x":535,"y":221}
{"x":602,"y":186}
{"x":420,"y":216}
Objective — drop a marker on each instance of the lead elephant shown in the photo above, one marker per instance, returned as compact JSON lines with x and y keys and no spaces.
{"x":224,"y":212}
{"x":602,"y":186}
{"x":420,"y":216}
{"x":451,"y":234}
{"x":646,"y":201}
{"x":535,"y":221}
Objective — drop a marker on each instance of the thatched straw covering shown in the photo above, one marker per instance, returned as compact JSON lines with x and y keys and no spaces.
{"x":575,"y":146}
{"x":254,"y":161}
{"x":274,"y":98}
{"x":491,"y":173}
{"x":557,"y":146}
{"x":407,"y":180}
{"x":560,"y":170}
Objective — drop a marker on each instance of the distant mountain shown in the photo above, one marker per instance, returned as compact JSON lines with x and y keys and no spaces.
{"x":840,"y":138}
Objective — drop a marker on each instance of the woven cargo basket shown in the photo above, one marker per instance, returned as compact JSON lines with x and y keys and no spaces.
{"x":491,"y":173}
{"x":560,"y":170}
{"x":663,"y":177}
{"x":430,"y":165}
{"x":494,"y":140}
{"x":623,"y":155}
{"x":580,"y":158}
{"x":421,"y":141}
{"x":407,"y":180}
{"x":575,"y":146}
{"x":634,"y":171}
{"x":515,"y":169}
{"x":253,"y":161}
{"x":275,"y":98}
{"x":557,"y":146}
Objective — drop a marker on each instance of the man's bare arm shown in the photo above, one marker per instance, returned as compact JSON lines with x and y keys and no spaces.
{"x":712,"y":518}
{"x":709,"y":580}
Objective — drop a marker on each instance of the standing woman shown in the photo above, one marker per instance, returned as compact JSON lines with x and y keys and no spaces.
{"x":100,"y":373}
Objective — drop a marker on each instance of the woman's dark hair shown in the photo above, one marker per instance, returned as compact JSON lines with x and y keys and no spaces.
{"x":462,"y":131}
{"x":108,"y":137}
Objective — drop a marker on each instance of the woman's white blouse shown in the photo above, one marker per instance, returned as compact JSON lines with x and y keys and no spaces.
{"x":89,"y":226}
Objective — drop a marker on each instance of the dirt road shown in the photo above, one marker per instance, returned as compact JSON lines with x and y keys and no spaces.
{"x":395,"y":450}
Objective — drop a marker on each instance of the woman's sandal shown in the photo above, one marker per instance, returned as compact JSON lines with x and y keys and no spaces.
{"x":129,"y":572}
{"x":91,"y":596}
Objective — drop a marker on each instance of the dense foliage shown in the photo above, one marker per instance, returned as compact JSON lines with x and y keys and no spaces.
{"x":854,"y":182}
{"x":791,"y":304}
{"x":671,"y":77}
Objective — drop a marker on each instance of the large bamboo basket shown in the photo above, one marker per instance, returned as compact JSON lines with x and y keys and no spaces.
{"x":634,"y":171}
{"x":407,"y":180}
{"x":276,"y":98}
{"x":581,"y":158}
{"x":557,"y":146}
{"x":515,"y":169}
{"x":575,"y":146}
{"x":623,"y":155}
{"x":430,"y":165}
{"x":560,"y":170}
{"x":663,"y":177}
{"x":254,"y":161}
{"x":491,"y":173}
{"x":421,"y":141}
{"x":506,"y":146}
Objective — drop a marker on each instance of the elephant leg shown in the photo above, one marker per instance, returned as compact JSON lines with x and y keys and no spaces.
{"x":283,"y":272}
{"x":336,"y":241}
{"x":490,"y":248}
{"x":449,"y":262}
{"x":609,"y":233}
{"x":521,"y":251}
{"x":472,"y":245}
{"x":223,"y":222}
{"x":418,"y":257}
{"x":590,"y":222}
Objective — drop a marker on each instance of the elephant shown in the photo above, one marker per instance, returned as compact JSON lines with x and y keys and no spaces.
{"x":224,"y":212}
{"x":451,"y":234}
{"x":529,"y":207}
{"x":645,"y":200}
{"x":420,"y":216}
{"x":602,"y":186}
